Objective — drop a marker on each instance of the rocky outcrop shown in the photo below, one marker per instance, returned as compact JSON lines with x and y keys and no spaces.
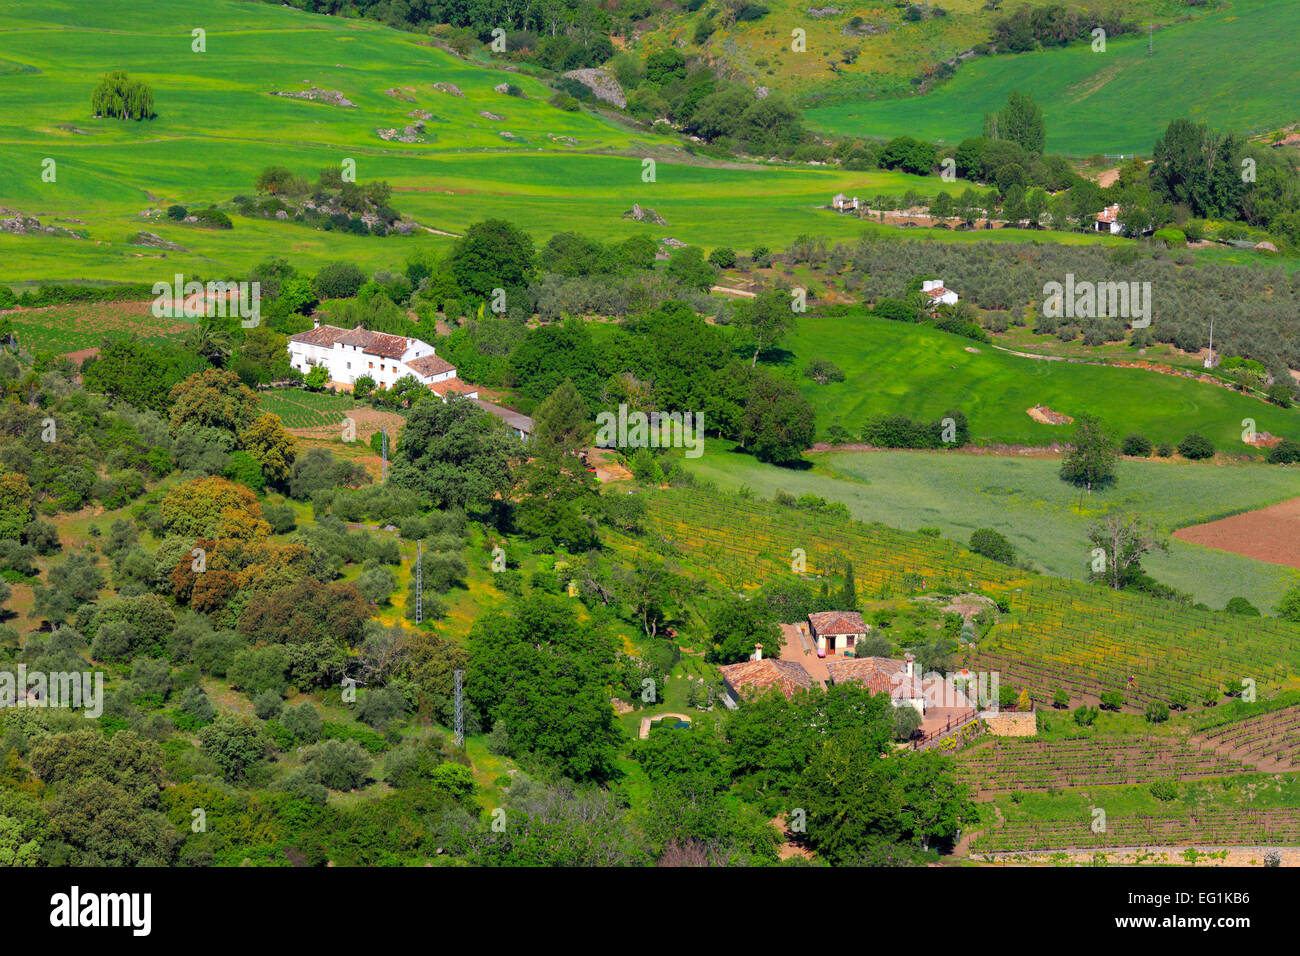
{"x":639,"y":213}
{"x":155,"y":241}
{"x":316,"y":94}
{"x":604,"y":86}
{"x":451,"y":89}
{"x":408,"y":134}
{"x":16,"y":224}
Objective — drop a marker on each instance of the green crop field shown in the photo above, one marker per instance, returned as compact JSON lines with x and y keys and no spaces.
{"x":1025,"y":500}
{"x":302,"y":409}
{"x":70,"y":328}
{"x":218,"y":127}
{"x":1088,"y":98}
{"x":894,"y":368}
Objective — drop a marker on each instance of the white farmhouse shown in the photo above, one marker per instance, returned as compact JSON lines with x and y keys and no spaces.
{"x":1108,"y":221}
{"x":936,"y":294}
{"x":350,"y":354}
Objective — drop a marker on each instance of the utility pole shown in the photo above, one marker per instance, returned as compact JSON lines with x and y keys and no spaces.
{"x":419,"y":581}
{"x":460,"y":712}
{"x":1209,"y":361}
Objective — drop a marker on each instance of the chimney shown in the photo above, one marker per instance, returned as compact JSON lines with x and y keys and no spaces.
{"x":315,"y":322}
{"x":758,"y":652}
{"x":911,"y":663}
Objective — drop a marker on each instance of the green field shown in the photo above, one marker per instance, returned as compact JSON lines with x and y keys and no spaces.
{"x":70,"y":328}
{"x":298,"y":408}
{"x":1089,"y":99}
{"x":896,"y":368}
{"x":218,"y":127}
{"x":1024,"y":499}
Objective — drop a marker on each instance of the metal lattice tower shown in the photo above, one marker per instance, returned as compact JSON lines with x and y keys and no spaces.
{"x":419,"y":581}
{"x":385,"y":452}
{"x":460,"y":712}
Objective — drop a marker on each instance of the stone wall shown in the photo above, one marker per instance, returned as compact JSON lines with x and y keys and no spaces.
{"x":1011,"y":724}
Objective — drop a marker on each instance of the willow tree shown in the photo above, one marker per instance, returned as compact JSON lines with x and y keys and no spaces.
{"x":118,"y":96}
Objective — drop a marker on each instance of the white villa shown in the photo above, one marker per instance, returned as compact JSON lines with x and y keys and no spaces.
{"x":934,"y":290}
{"x":350,"y":354}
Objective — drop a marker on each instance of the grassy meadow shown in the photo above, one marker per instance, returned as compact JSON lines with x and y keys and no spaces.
{"x":218,"y":127}
{"x":995,"y":388}
{"x":1087,"y":98}
{"x":1043,"y":517}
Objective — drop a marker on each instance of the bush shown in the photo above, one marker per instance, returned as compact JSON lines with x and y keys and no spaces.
{"x":177,"y":213}
{"x":213,"y":219}
{"x":1164,"y":450}
{"x":823,"y":371}
{"x":1164,"y":790}
{"x":723,"y":257}
{"x":992,"y":545}
{"x":1085,"y":716}
{"x":1060,"y":699}
{"x":565,"y":102}
{"x":1285,"y":452}
{"x":1196,"y":447}
{"x":1279,"y":393}
{"x":1156,"y":712}
{"x":1112,"y":700}
{"x":1137,"y":446}
{"x":1239,"y":605}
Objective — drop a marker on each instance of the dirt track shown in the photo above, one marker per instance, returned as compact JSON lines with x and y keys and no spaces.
{"x":1269,"y":534}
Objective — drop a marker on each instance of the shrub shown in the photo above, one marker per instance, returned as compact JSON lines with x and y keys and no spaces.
{"x":1285,"y":452}
{"x":177,"y":213}
{"x":1239,"y":605}
{"x":1196,"y":447}
{"x":723,"y":257}
{"x":1112,"y":700}
{"x":213,"y":219}
{"x":1137,"y":446}
{"x":565,"y":102}
{"x":1164,"y":450}
{"x":1060,"y":699}
{"x":992,"y":545}
{"x":1164,"y":790}
{"x":1279,"y":393}
{"x":1085,"y":716}
{"x":823,"y":371}
{"x":1156,"y":712}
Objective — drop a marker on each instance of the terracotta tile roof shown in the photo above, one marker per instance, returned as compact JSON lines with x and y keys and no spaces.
{"x":1109,"y":214}
{"x":389,"y":346}
{"x":321,"y":335}
{"x":937,"y":292}
{"x":372,"y":343}
{"x":430,"y":365}
{"x":837,"y":622}
{"x":878,"y":674}
{"x":755,"y":677}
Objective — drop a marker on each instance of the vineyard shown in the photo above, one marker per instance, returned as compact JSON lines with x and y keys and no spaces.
{"x":746,"y":543}
{"x":1015,"y":765}
{"x":1203,"y":828}
{"x":1271,"y":736}
{"x":1088,"y":640}
{"x":1079,"y":637}
{"x":298,"y":408}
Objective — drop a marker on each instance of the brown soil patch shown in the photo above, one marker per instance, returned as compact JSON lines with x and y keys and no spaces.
{"x":1045,"y":416}
{"x":1268,"y":534}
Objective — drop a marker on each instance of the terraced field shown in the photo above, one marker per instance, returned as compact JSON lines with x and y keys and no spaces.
{"x":1011,"y":765}
{"x":1203,"y":828}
